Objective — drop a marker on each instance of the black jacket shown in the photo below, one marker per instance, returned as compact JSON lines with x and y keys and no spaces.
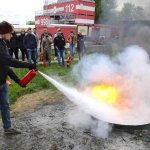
{"x":80,"y":43}
{"x":14,"y":42}
{"x":6,"y":62}
{"x":59,"y":42}
{"x":20,"y":41}
{"x":29,"y":41}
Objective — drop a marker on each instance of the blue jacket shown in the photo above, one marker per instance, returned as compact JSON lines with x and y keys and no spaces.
{"x":29,"y":41}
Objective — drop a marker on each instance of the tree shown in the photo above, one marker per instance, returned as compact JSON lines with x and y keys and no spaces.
{"x":105,"y":11}
{"x":131,"y":12}
{"x":108,"y":10}
{"x":98,"y":10}
{"x":30,"y":23}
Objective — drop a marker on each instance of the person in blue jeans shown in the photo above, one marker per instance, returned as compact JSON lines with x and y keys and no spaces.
{"x":59,"y":43}
{"x":72,"y":40}
{"x":32,"y":55}
{"x":6,"y":61}
{"x":30,"y":43}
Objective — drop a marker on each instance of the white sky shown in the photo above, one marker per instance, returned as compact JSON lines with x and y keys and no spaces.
{"x":19,"y":11}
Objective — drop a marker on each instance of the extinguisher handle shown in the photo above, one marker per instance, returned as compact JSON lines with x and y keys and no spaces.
{"x":36,"y":70}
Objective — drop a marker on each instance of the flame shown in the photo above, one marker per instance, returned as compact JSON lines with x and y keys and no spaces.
{"x":108,"y":94}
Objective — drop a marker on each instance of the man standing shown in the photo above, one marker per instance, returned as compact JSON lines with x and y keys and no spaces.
{"x":80,"y":45}
{"x":30,"y":44}
{"x":59,"y":43}
{"x":46,"y":47}
{"x":72,"y":39}
{"x":6,"y":61}
{"x":21,"y":46}
{"x":37,"y":40}
{"x":14,"y":48}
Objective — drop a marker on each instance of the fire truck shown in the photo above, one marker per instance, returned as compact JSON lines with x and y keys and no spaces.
{"x":67,"y":14}
{"x":70,"y":15}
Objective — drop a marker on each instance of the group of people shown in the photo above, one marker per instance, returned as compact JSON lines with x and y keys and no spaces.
{"x":59,"y":45}
{"x":60,"y":42}
{"x":27,"y":43}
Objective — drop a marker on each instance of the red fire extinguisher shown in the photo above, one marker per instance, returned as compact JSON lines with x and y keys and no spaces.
{"x":28,"y":77}
{"x":41,"y":56}
{"x":68,"y":62}
{"x":44,"y":64}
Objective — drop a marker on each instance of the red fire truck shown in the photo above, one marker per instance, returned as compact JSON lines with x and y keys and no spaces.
{"x":70,"y":15}
{"x":67,"y":14}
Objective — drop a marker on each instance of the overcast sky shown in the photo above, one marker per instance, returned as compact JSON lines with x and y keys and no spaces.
{"x":19,"y":10}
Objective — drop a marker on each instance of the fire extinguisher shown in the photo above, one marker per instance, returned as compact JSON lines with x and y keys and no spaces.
{"x":28,"y":77}
{"x":41,"y":56}
{"x":44,"y":64}
{"x":68,"y":62}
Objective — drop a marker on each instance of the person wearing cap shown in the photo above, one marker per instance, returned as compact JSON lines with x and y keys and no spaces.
{"x":6,"y":61}
{"x":72,"y":40}
{"x":59,"y":44}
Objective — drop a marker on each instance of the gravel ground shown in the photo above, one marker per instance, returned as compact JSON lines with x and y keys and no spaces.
{"x":47,"y":129}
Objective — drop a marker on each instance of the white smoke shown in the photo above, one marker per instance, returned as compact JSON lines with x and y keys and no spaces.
{"x":143,"y":3}
{"x":79,"y":119}
{"x":133,"y":68}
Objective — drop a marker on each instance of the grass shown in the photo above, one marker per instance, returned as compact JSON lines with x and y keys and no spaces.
{"x":38,"y":83}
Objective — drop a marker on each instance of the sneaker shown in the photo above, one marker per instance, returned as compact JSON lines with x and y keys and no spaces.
{"x":11,"y":131}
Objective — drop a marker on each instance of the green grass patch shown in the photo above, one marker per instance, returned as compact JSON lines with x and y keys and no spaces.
{"x":38,"y":83}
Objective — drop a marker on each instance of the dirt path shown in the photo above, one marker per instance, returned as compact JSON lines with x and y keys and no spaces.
{"x":42,"y":119}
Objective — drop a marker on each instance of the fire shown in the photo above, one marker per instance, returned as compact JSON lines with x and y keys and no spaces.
{"x":105,"y":93}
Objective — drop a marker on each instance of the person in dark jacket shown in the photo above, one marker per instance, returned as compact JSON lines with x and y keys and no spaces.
{"x":14,"y":45}
{"x":30,"y":44}
{"x":21,"y":45}
{"x":80,"y":45}
{"x":59,"y":43}
{"x":6,"y":61}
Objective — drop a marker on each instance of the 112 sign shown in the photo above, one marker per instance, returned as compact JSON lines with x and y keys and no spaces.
{"x":69,"y":8}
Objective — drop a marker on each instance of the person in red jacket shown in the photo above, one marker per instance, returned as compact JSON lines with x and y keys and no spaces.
{"x":6,"y":61}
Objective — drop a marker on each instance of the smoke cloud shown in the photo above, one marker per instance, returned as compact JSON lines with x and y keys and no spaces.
{"x":79,"y":119}
{"x":143,"y":3}
{"x":129,"y":72}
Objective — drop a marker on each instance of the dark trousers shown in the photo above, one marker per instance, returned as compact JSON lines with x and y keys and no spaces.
{"x":56,"y":54}
{"x":14,"y":51}
{"x":23,"y":53}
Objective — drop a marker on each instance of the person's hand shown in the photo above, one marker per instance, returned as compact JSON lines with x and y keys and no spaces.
{"x":32,"y":66}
